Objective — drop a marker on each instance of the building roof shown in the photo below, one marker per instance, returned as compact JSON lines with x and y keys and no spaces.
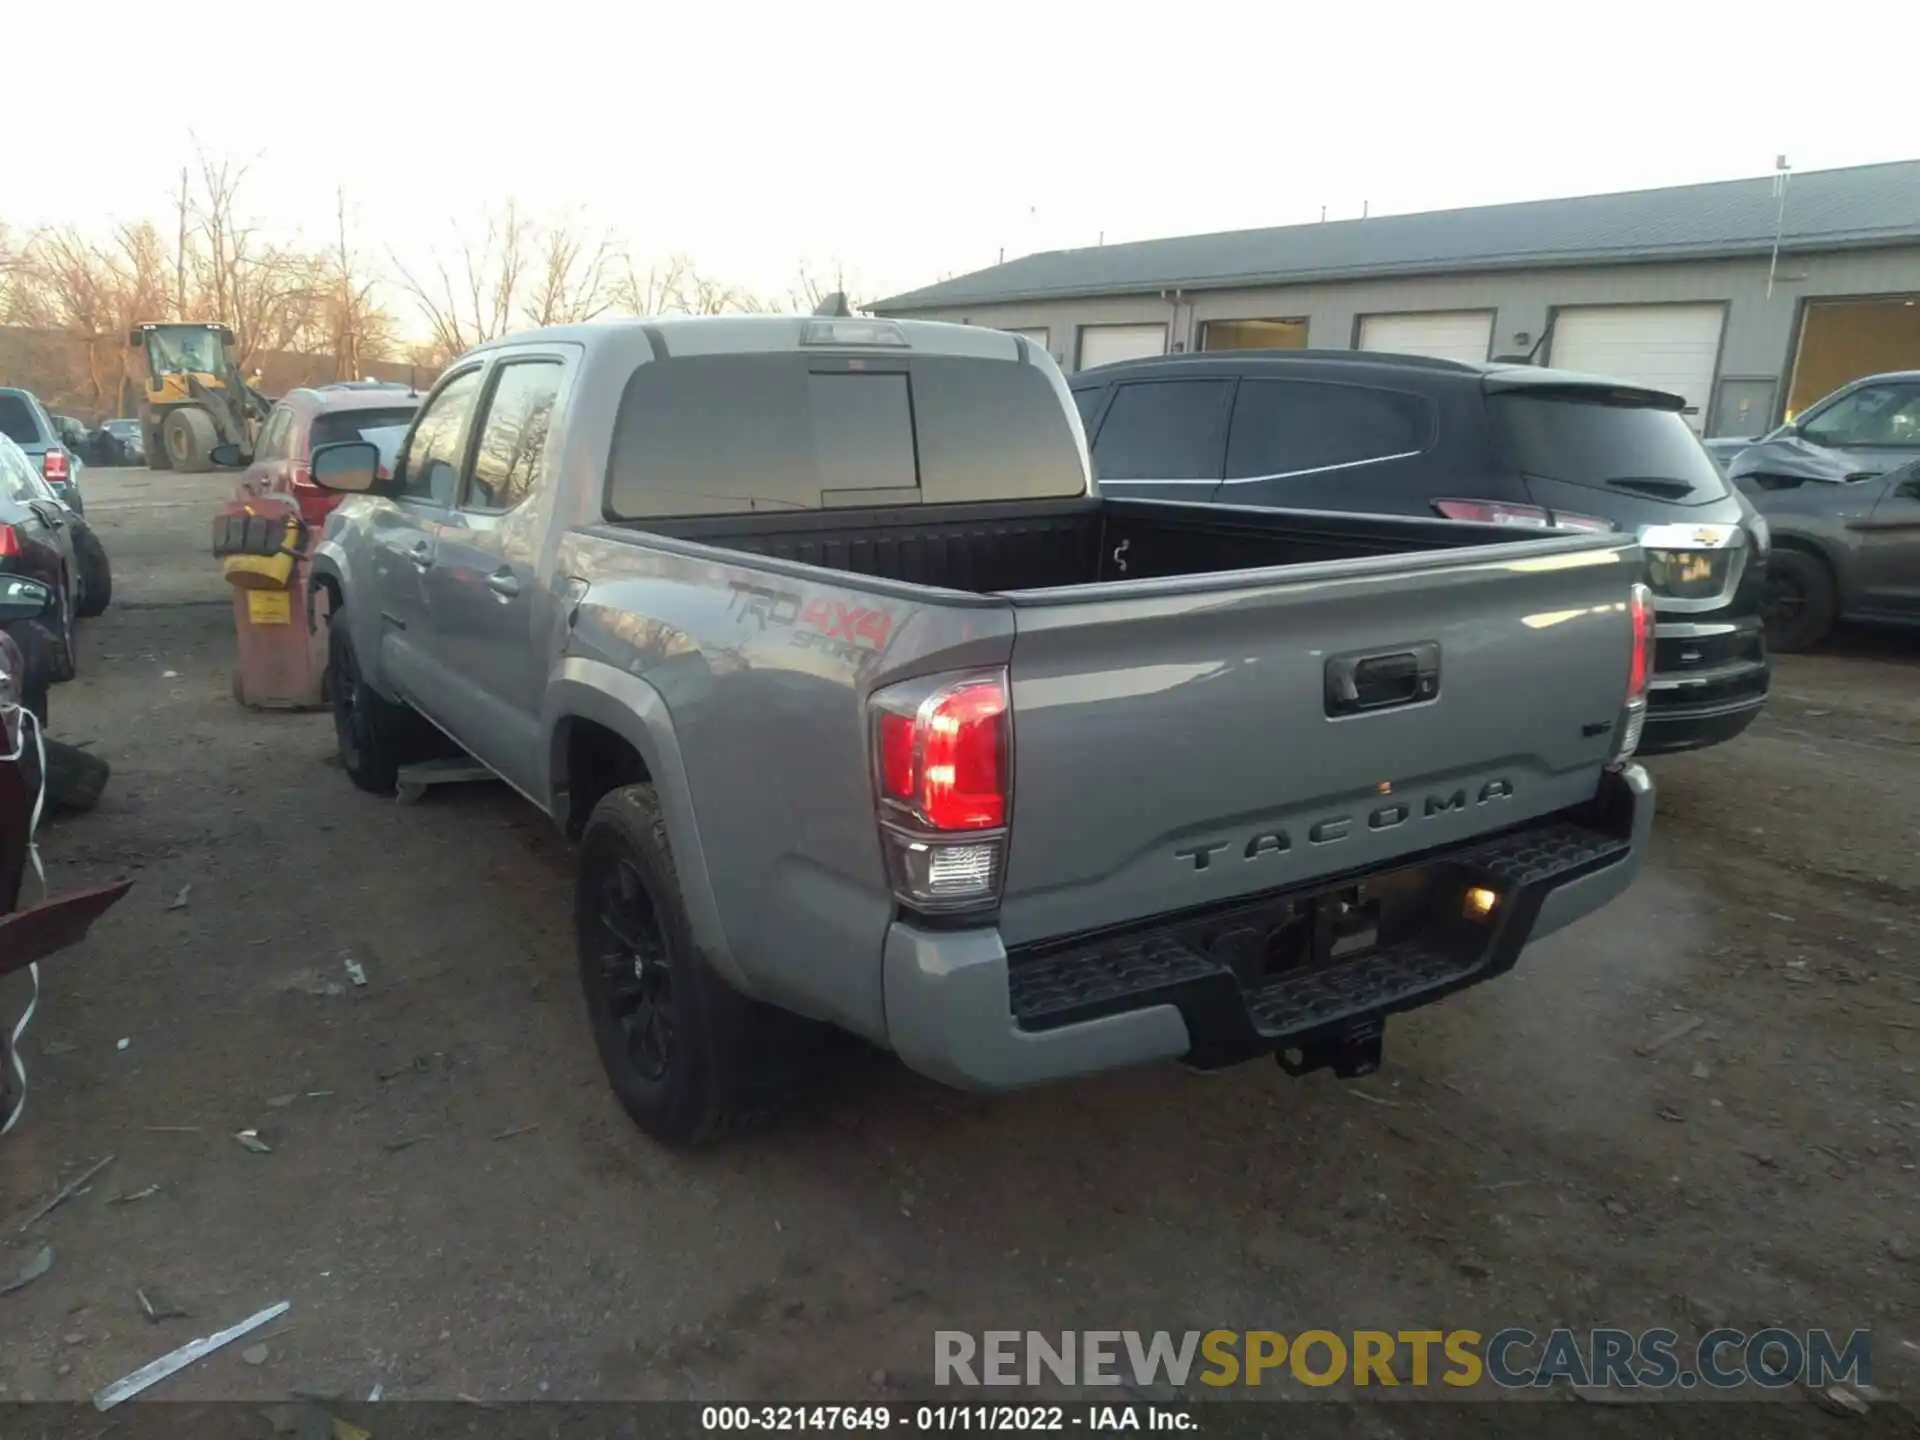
{"x":1861,"y":206}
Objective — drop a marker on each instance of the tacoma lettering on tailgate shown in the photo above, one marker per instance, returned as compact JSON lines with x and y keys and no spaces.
{"x":1339,"y":827}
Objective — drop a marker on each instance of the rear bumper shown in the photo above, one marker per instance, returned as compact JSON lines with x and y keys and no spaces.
{"x":961,"y":1010}
{"x":1674,"y":728}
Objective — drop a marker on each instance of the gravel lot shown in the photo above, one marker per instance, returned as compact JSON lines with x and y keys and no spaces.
{"x":1518,"y":1160}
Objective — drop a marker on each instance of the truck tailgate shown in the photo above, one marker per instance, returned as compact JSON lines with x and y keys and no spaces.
{"x":1181,"y":742}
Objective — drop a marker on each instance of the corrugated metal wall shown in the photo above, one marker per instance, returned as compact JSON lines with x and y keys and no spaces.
{"x":1757,"y":344}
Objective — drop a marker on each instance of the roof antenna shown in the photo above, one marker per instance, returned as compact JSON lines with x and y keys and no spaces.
{"x":834,"y":306}
{"x":1782,"y":172}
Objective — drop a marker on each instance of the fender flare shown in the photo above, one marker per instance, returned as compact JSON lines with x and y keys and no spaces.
{"x":630,"y":707}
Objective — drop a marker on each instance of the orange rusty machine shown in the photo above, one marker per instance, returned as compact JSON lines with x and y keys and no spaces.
{"x":264,"y":549}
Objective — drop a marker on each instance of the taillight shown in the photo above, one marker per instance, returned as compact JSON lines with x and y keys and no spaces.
{"x":9,"y":542}
{"x":1533,"y":517}
{"x":53,"y":465}
{"x":1633,"y":713}
{"x":942,"y":750}
{"x":1494,"y":512}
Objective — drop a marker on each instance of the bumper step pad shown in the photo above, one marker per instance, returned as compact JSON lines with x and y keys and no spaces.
{"x":1114,"y":972}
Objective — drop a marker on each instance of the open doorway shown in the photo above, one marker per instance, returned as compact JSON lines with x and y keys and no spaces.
{"x":1253,"y":335}
{"x":1841,"y":340}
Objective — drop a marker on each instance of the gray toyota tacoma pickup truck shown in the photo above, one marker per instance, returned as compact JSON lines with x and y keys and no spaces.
{"x":869,"y":714}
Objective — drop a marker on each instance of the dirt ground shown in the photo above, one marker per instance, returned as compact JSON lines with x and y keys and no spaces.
{"x":454,"y":1205}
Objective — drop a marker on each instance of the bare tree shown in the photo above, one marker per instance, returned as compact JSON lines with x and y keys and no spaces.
{"x":574,"y":282}
{"x":356,"y":328}
{"x":472,"y":299}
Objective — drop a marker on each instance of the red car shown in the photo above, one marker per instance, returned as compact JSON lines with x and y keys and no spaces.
{"x":370,"y":410}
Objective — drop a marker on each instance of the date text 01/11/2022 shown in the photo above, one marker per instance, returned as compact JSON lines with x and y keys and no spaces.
{"x":944,"y":1419}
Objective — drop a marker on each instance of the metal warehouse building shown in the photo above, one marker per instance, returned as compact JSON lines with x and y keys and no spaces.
{"x":1751,"y":298}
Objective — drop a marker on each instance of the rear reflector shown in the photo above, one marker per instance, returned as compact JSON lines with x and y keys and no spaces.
{"x":9,"y":542}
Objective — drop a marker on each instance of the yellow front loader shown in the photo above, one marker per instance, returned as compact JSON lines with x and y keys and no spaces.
{"x":194,"y":397}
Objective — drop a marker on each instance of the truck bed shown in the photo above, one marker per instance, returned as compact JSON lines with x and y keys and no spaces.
{"x":988,"y":549}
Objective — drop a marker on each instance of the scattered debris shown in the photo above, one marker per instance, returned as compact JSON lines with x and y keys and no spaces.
{"x":133,"y":1195}
{"x":255,"y":1354}
{"x":356,"y":972}
{"x":514,"y":1130}
{"x":1617,"y":1209}
{"x":1473,"y":1271}
{"x":466,"y":1399}
{"x":1372,"y":1099}
{"x":1838,"y":1400}
{"x":1673,"y":1033}
{"x":37,"y":1265}
{"x":1761,"y":1158}
{"x":419,"y":1065}
{"x":373,"y":1395}
{"x":174,"y":1361}
{"x":1506,"y":1185}
{"x":280,"y":1102}
{"x":251,"y":1139}
{"x":169,"y":674}
{"x":67,"y":1192}
{"x":179,"y":902}
{"x":1701,"y":1070}
{"x":73,"y":1337}
{"x":156,"y":1306}
{"x":1900,"y":1250}
{"x":123,"y":1042}
{"x":1669,"y":1114}
{"x":406,"y":1144}
{"x":58,"y":1047}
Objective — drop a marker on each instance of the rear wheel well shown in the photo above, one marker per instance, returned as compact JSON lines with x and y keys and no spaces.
{"x":322,"y":584}
{"x":597,"y":760}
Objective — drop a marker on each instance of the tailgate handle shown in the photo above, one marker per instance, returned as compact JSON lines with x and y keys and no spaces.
{"x":1383,"y":679}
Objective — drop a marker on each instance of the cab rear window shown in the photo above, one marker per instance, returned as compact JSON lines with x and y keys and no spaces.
{"x":740,"y":434}
{"x":1623,"y":447}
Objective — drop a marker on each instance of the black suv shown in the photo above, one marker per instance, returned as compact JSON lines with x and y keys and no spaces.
{"x":1372,"y":433}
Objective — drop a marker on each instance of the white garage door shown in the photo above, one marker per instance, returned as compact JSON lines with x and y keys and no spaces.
{"x":1446,"y":334}
{"x":1104,"y":344}
{"x":1664,"y":347}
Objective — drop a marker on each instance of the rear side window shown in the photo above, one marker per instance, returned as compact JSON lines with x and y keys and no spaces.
{"x":17,"y":420}
{"x":1164,"y":430}
{"x":1581,"y":438}
{"x":735,"y":434}
{"x":1088,"y":403}
{"x":513,"y":444}
{"x":1282,"y":427}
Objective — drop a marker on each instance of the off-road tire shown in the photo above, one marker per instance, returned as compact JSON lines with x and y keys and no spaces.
{"x":372,"y":732}
{"x":96,"y":573}
{"x":189,"y":437}
{"x":731,"y":1061}
{"x":62,"y":654}
{"x":1800,"y":601}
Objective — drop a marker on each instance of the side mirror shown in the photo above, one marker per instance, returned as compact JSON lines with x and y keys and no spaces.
{"x":348,"y":467}
{"x":135,"y":339}
{"x":24,"y":599}
{"x":226,"y":456}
